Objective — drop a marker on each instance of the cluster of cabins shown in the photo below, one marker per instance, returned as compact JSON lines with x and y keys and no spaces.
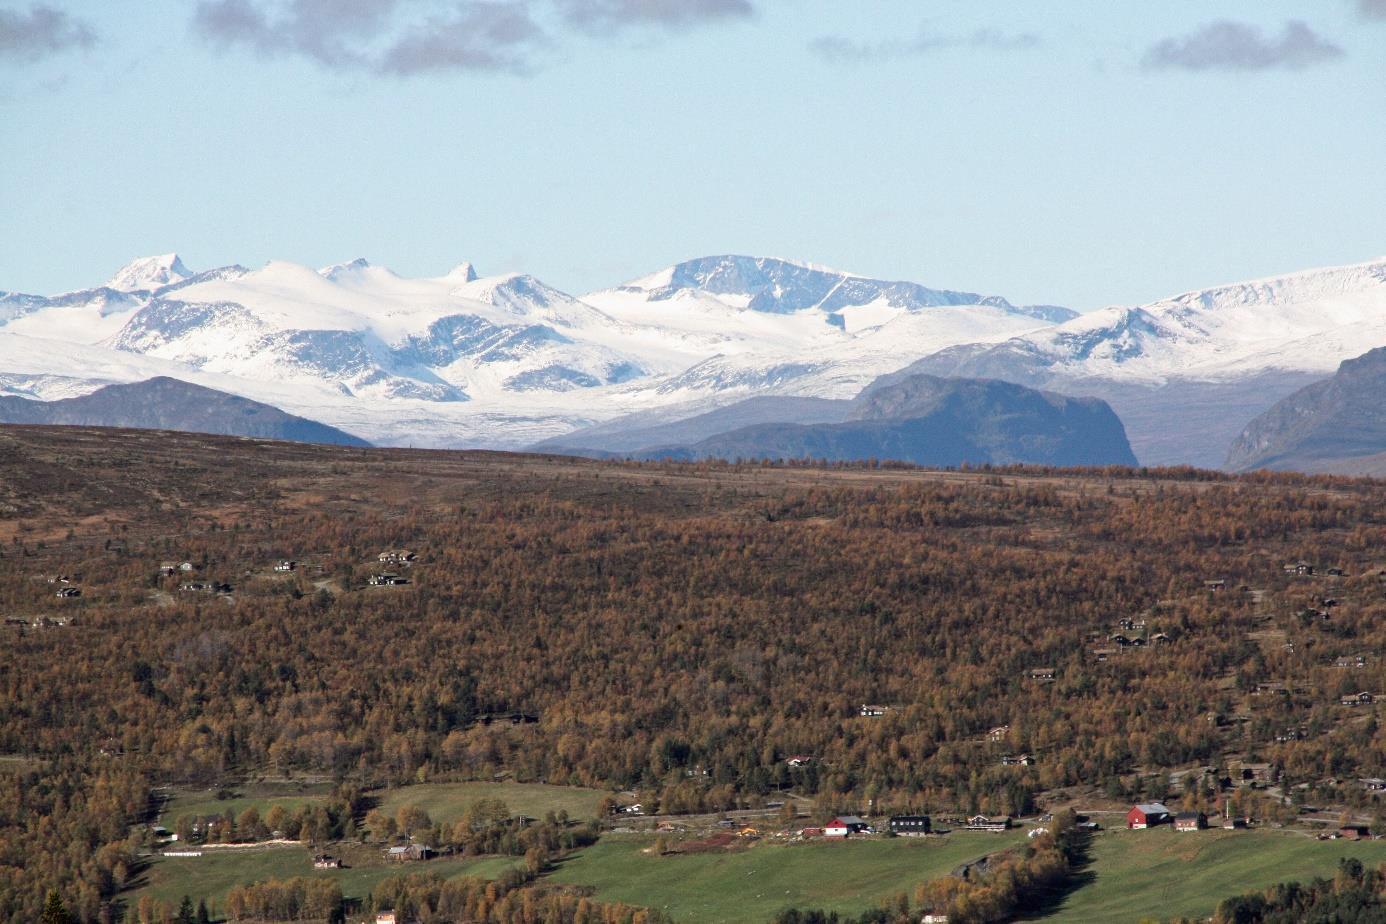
{"x":38,"y":622}
{"x":1153,"y":814}
{"x":1306,"y":569}
{"x":844,"y":826}
{"x":204,"y":587}
{"x":401,"y":558}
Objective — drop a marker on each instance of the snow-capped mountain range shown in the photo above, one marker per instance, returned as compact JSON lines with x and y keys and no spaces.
{"x":505,"y":361}
{"x":500,"y":361}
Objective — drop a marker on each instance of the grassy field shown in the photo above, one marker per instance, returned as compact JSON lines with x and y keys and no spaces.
{"x":212,"y":874}
{"x":1164,"y":874}
{"x":752,"y":885}
{"x":447,"y":801}
{"x":260,"y":795}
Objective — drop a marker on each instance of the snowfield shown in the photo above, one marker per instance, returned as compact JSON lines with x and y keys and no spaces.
{"x":504,"y":361}
{"x":500,"y":361}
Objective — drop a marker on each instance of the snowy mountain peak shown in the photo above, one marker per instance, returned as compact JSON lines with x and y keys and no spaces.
{"x":777,"y":286}
{"x":462,"y":272}
{"x":341,"y":269}
{"x":149,"y":273}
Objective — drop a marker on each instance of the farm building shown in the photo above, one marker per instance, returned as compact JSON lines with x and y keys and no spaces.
{"x":323,"y":861}
{"x":1354,"y":832}
{"x":989,"y":823}
{"x":411,"y":852}
{"x":1190,"y":821}
{"x":844,"y":825}
{"x":1147,"y":815}
{"x":910,"y":825}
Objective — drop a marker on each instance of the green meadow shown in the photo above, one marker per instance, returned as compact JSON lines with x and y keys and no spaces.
{"x":1163,"y":874}
{"x":751,"y":885}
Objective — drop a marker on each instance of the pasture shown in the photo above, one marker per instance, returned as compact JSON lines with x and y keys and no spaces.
{"x":1163,"y":874}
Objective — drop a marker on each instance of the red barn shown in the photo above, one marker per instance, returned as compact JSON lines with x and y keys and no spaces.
{"x":1147,"y":815}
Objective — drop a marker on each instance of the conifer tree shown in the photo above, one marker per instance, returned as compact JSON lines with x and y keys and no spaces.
{"x":54,"y":911}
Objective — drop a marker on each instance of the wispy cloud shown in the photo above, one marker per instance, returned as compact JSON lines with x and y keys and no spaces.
{"x":843,"y":50}
{"x":406,"y":37}
{"x":1372,"y":9}
{"x":1238,"y":46}
{"x":481,"y":37}
{"x":41,"y":32}
{"x":672,"y":14}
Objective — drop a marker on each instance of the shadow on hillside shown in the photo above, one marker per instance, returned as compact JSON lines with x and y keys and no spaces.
{"x":1052,"y":901}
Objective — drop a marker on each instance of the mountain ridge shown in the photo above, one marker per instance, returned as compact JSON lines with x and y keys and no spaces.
{"x":931,"y":421}
{"x":164,"y":403}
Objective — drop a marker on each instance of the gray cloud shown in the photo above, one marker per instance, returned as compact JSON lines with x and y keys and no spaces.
{"x":1372,"y":9}
{"x":321,"y":30}
{"x":481,"y":37}
{"x":605,"y":14}
{"x":1238,"y":46}
{"x":43,"y":31}
{"x":407,"y":37}
{"x":842,"y":50}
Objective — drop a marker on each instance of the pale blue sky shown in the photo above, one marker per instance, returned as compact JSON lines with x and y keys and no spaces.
{"x":1073,"y":152}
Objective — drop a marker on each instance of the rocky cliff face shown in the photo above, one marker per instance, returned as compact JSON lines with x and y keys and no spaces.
{"x":1337,"y":425}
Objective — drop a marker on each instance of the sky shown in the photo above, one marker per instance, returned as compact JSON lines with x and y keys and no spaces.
{"x":1076,"y":152}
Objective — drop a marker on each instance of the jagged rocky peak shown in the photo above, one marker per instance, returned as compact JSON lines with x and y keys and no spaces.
{"x":149,"y":273}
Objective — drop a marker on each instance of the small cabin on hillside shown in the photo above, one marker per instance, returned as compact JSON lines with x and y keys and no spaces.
{"x":396,"y":557}
{"x":387,"y":579}
{"x":286,"y":565}
{"x":1042,"y":674}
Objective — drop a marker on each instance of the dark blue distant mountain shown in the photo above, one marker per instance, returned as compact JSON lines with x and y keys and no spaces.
{"x":170,"y":404}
